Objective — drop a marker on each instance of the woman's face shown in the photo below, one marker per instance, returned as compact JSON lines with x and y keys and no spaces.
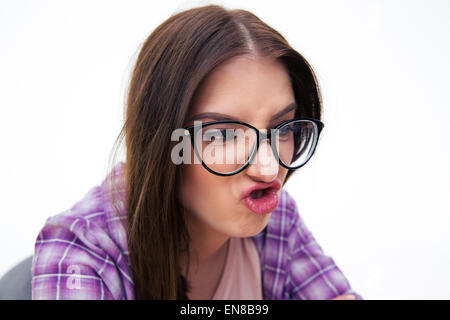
{"x":252,"y":90}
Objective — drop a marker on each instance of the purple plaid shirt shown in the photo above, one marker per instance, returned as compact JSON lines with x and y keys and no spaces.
{"x":82,"y":253}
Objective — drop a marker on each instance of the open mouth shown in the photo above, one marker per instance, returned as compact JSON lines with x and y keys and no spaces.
{"x":262,"y":198}
{"x":262,"y":201}
{"x":259,"y":193}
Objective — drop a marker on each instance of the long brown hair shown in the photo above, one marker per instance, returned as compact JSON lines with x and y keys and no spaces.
{"x":173,"y":60}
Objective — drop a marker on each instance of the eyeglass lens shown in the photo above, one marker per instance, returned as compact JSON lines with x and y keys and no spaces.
{"x":227,"y":147}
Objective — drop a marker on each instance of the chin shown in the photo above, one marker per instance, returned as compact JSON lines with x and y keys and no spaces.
{"x":251,"y":229}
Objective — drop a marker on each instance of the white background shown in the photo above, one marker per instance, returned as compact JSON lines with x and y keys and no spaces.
{"x":375,"y":194}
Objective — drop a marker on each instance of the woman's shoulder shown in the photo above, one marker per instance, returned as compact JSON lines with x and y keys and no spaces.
{"x":87,"y":243}
{"x":88,"y":210}
{"x":94,"y":220}
{"x":284,"y":216}
{"x":280,"y":224}
{"x":101,"y":212}
{"x":287,"y":207}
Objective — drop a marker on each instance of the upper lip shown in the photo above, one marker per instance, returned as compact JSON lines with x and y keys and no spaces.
{"x":275,"y":185}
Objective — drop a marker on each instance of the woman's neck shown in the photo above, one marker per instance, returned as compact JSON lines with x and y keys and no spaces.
{"x":206,"y":245}
{"x":207,"y":258}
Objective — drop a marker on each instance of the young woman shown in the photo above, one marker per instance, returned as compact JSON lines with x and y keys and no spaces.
{"x":158,"y":228}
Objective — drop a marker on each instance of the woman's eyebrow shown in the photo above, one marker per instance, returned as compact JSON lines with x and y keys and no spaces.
{"x":289,"y":108}
{"x":220,"y":116}
{"x":211,"y":115}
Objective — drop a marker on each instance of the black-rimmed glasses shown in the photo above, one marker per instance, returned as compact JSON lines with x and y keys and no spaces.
{"x":227,"y":147}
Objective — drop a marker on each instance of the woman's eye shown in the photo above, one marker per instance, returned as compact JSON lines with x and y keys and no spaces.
{"x":284,"y":131}
{"x":219,"y":134}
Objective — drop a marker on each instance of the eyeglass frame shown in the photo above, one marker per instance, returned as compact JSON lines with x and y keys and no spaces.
{"x":260,"y":136}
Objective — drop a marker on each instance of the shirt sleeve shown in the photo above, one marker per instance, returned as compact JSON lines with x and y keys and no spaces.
{"x":313,"y":274}
{"x":65,"y":268}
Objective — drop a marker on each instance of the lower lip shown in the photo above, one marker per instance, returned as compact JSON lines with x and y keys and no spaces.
{"x":265,"y":204}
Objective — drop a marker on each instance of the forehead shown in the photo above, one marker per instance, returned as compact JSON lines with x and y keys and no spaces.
{"x":244,"y":87}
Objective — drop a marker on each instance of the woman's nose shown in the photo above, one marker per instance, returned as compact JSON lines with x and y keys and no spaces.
{"x":264,"y":166}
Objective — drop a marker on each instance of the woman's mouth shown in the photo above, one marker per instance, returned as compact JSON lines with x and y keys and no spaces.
{"x":262,"y":200}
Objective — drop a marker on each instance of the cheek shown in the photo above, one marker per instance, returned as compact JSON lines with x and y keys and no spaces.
{"x":199,"y":188}
{"x":282,"y":173}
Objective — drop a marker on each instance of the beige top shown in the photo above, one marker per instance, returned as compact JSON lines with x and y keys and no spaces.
{"x":241,"y":277}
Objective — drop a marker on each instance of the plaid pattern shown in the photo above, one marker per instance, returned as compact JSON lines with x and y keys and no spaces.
{"x":82,"y":253}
